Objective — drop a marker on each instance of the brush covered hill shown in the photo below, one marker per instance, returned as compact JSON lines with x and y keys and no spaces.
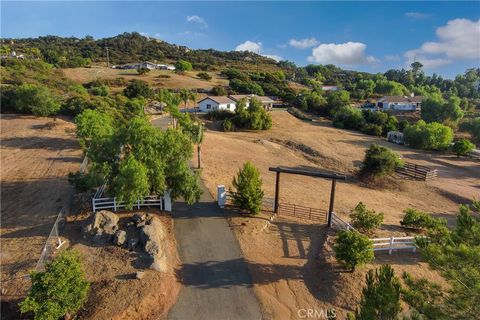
{"x":127,"y":48}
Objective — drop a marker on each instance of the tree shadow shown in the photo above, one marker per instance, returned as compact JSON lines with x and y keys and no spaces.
{"x":45,"y":143}
{"x":67,"y":159}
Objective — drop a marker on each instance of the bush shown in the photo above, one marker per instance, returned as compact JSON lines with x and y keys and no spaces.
{"x":365,"y":220}
{"x":38,"y":100}
{"x":182,"y":65}
{"x":137,"y":88}
{"x":472,"y":126}
{"x":219,"y":115}
{"x":380,"y":161}
{"x":254,"y":118}
{"x":353,"y":249}
{"x":381,"y":295}
{"x":372,"y":129}
{"x":431,"y":136}
{"x":62,"y":289}
{"x":219,"y":91}
{"x":420,"y":220}
{"x":228,"y":125}
{"x":101,"y":90}
{"x":348,"y":118}
{"x":462,"y":147}
{"x":83,"y":182}
{"x":248,"y":185}
{"x":204,"y":76}
{"x":142,"y":71}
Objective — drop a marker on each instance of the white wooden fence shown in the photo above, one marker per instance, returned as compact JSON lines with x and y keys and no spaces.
{"x":99,"y":202}
{"x":394,"y":243}
{"x":337,"y":221}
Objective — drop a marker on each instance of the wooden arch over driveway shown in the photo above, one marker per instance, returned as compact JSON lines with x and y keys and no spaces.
{"x":310,"y":173}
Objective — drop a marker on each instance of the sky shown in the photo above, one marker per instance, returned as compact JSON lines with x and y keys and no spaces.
{"x":360,"y":35}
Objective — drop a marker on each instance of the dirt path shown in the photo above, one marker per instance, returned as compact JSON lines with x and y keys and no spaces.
{"x":36,"y":157}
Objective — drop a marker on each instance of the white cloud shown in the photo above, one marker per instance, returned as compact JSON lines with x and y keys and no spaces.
{"x":273,"y":56}
{"x":199,"y":20}
{"x":256,"y":47}
{"x":249,"y":46}
{"x":303,"y":43}
{"x":417,"y":15}
{"x":349,"y":53}
{"x":458,"y":39}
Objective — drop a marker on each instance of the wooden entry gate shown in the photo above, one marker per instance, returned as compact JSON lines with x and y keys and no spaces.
{"x":310,"y":173}
{"x":302,"y":212}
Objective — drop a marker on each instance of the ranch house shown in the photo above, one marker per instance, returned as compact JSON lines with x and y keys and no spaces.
{"x":400,"y":103}
{"x":211,"y":103}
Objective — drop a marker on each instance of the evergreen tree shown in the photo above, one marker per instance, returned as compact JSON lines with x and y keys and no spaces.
{"x":248,"y":185}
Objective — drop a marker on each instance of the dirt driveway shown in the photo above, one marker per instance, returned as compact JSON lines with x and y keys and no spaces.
{"x":36,"y":156}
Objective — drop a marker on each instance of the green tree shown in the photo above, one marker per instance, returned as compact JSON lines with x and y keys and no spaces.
{"x":143,"y":71}
{"x":462,"y":147}
{"x":182,"y":66}
{"x":131,"y":182}
{"x":204,"y":76}
{"x":435,"y":109}
{"x":429,"y":136}
{"x":93,"y":124}
{"x":58,"y":291}
{"x":336,"y":100}
{"x":248,"y":185}
{"x":421,"y":220}
{"x":353,"y":249}
{"x":364,"y":219}
{"x":380,"y":161}
{"x":35,"y":99}
{"x":381,"y":295}
{"x":186,"y":95}
{"x":138,"y":88}
{"x":367,"y":86}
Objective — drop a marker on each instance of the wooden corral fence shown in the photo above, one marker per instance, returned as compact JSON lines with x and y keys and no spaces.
{"x":267,"y":202}
{"x":302,"y":212}
{"x":394,"y":243}
{"x":417,"y":171}
{"x":100,"y":202}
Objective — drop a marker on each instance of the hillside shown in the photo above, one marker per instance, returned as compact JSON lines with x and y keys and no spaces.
{"x":126,"y":48}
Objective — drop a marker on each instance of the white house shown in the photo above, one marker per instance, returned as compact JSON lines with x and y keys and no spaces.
{"x":211,"y":103}
{"x":329,"y":88}
{"x":401,"y":103}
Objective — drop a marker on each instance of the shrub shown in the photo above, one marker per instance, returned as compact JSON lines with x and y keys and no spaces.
{"x":228,"y":125}
{"x":381,"y":295}
{"x":462,"y":147}
{"x":254,"y":118}
{"x":38,"y":100}
{"x":472,"y":126}
{"x":182,"y":65}
{"x":348,"y":118}
{"x":365,"y":220}
{"x":431,"y":136}
{"x":353,"y":249}
{"x":380,"y":161}
{"x":219,"y":91}
{"x":420,"y":220}
{"x":248,"y":185}
{"x":249,"y":87}
{"x":435,"y":109}
{"x":137,"y":88}
{"x":142,"y":71}
{"x":372,"y":129}
{"x":83,"y":182}
{"x":101,"y":90}
{"x":219,"y":115}
{"x":204,"y":76}
{"x":62,"y":289}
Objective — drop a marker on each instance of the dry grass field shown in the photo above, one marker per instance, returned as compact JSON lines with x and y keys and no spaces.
{"x":154,"y":77}
{"x":291,"y":261}
{"x":36,"y":156}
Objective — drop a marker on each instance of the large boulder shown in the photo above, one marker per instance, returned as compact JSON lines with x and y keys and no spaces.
{"x":152,"y":237}
{"x":101,"y":226}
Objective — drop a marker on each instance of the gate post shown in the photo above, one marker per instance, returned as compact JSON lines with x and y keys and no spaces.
{"x":167,"y":201}
{"x":221,"y":195}
{"x":277,"y":192}
{"x":332,"y":200}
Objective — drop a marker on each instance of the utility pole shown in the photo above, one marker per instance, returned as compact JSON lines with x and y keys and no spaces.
{"x":108,"y":61}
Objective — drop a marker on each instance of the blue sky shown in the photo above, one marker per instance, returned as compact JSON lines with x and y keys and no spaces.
{"x":369,"y":36}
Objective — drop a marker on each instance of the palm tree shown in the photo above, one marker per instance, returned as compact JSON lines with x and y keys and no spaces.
{"x":185,"y":95}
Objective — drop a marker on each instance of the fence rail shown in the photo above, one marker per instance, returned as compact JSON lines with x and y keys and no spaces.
{"x":302,"y":212}
{"x":337,"y":221}
{"x":417,"y":171}
{"x":267,"y":202}
{"x":394,"y":243}
{"x":99,"y":202}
